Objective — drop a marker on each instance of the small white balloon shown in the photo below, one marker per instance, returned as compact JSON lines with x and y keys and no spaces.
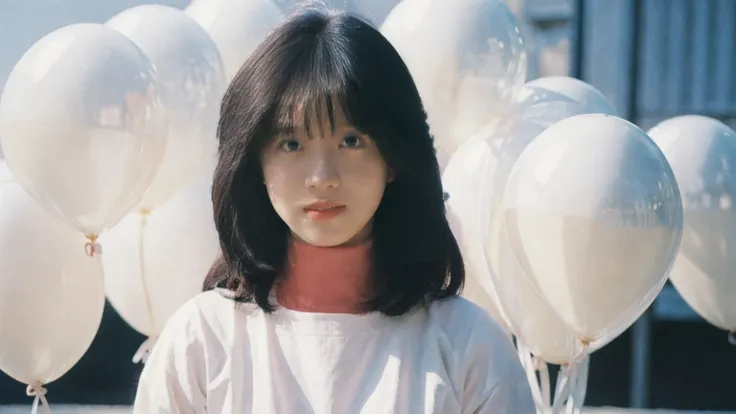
{"x":52,"y":293}
{"x":163,"y":262}
{"x":702,"y":153}
{"x":236,"y":26}
{"x":594,"y":220}
{"x":82,"y":125}
{"x":193,"y":82}
{"x":577,"y":91}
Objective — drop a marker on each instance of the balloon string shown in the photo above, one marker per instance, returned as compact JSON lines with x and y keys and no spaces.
{"x":146,"y":294}
{"x":37,"y":391}
{"x":531,"y":375}
{"x":92,"y":247}
{"x":580,"y":387}
{"x":566,"y":380}
{"x":543,"y":369}
{"x":732,"y":338}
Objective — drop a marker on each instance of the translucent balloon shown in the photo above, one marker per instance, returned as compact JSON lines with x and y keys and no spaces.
{"x":154,"y":263}
{"x":536,"y":109}
{"x":236,"y":26}
{"x":594,"y":219}
{"x":462,"y":181}
{"x":193,"y":80}
{"x":702,"y":152}
{"x":467,"y":58}
{"x":577,"y":91}
{"x":52,"y":293}
{"x":528,"y":315}
{"x":82,"y":125}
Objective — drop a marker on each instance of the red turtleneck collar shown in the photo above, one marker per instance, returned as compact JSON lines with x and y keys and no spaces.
{"x":326,"y":279}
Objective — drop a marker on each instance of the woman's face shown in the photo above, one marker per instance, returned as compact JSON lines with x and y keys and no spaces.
{"x":326,"y":187}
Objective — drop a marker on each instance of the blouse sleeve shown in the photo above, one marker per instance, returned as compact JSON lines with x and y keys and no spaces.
{"x":495,"y":380}
{"x":173,"y":380}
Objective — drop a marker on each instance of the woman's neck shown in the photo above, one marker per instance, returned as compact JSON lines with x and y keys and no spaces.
{"x":326,"y":279}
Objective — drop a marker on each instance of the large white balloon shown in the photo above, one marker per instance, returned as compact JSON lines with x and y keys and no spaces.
{"x":528,"y":315}
{"x":82,"y":125}
{"x":236,"y":26}
{"x":467,"y":58}
{"x":163,"y":263}
{"x":594,"y":220}
{"x":51,"y":292}
{"x":193,"y":81}
{"x":702,"y":152}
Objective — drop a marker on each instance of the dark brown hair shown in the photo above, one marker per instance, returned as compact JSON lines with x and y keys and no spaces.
{"x":321,"y":59}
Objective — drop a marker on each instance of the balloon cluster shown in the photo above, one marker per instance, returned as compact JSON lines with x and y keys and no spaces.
{"x":570,"y":218}
{"x":108,"y":133}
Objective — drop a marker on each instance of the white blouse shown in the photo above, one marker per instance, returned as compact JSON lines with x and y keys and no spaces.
{"x":215,"y":358}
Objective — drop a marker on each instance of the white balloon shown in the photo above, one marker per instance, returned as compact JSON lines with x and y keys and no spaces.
{"x":462,"y":181}
{"x":526,"y":312}
{"x":702,"y":153}
{"x":51,"y":292}
{"x":467,"y":58}
{"x":577,"y":91}
{"x":193,"y":81}
{"x":178,"y":245}
{"x":236,"y":26}
{"x":82,"y":125}
{"x":594,"y":219}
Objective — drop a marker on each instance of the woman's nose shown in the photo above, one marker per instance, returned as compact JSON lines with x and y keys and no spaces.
{"x":324,"y":174}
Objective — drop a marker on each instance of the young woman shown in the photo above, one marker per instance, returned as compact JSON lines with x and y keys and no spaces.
{"x":338,"y":286}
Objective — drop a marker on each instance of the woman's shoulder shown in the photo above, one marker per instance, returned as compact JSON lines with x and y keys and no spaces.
{"x":209,"y":314}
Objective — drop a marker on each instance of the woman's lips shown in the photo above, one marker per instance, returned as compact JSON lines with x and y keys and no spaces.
{"x":322,"y":211}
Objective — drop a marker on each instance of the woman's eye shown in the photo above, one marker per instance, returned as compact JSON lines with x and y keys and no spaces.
{"x":351,"y":141}
{"x":290,"y":145}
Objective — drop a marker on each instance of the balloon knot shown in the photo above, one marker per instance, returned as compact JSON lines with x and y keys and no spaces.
{"x":38,"y":392}
{"x":35,"y":389}
{"x":92,"y":247}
